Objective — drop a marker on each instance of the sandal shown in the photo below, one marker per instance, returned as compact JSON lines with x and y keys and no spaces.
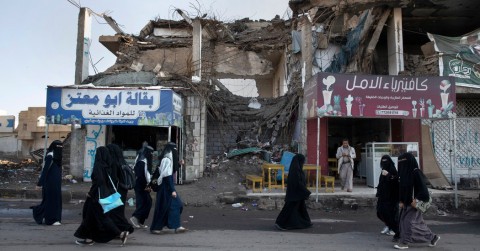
{"x":123,"y":237}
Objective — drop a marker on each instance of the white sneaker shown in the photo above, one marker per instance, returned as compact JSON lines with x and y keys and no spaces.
{"x":57,"y":223}
{"x":134,"y":222}
{"x":401,"y":246}
{"x":390,"y":233}
{"x":385,"y":230}
{"x":180,"y":230}
{"x":143,"y":226}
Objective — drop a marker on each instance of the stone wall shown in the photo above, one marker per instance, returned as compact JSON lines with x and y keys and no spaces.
{"x":195,"y":136}
{"x":221,"y":137}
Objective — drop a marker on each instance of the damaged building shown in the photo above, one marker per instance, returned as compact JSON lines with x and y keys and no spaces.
{"x":194,"y":56}
{"x":394,"y":42}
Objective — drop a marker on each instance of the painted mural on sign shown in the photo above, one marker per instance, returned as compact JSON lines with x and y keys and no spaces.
{"x":113,"y":106}
{"x":369,"y":96}
{"x":94,"y":138}
{"x":7,"y":123}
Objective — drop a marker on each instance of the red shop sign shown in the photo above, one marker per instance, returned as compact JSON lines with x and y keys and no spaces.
{"x":379,"y":96}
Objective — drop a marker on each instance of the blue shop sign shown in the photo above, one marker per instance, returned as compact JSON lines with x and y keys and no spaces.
{"x":113,"y":106}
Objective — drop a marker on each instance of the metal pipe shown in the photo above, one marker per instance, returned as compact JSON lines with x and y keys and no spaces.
{"x":318,"y":154}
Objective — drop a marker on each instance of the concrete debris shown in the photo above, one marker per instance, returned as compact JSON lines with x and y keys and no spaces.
{"x":136,"y":66}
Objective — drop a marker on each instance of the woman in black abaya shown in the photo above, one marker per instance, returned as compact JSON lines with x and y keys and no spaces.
{"x":118,"y":214}
{"x":387,"y":194}
{"x":412,"y":189}
{"x":50,"y":209}
{"x":294,"y":213}
{"x":97,"y":226}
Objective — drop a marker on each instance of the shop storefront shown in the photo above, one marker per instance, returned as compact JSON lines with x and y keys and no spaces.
{"x":368,"y":108}
{"x":127,"y":117}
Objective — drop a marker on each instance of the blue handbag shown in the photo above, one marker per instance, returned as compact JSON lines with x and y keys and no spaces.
{"x":112,"y":201}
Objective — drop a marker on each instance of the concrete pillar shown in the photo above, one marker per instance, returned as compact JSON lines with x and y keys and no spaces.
{"x":77,"y":136}
{"x":197,"y":48}
{"x":84,"y":39}
{"x":195,"y":137}
{"x":395,"y":43}
{"x":307,"y":48}
{"x":307,"y":58}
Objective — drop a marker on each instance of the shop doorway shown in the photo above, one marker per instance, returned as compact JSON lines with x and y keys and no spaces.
{"x":131,"y":138}
{"x":357,"y":131}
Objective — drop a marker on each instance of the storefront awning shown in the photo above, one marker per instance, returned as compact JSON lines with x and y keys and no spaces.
{"x":113,"y":106}
{"x":379,"y":96}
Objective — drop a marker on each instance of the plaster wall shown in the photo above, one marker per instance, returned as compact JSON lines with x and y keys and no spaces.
{"x":31,"y":132}
{"x":265,"y":87}
{"x":172,"y":60}
{"x":8,"y":144}
{"x":231,"y":61}
{"x":279,"y":79}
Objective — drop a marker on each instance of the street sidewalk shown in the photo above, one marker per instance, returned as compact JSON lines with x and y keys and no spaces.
{"x":362,"y":196}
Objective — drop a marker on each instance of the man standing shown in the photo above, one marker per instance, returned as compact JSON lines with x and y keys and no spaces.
{"x":345,"y":156}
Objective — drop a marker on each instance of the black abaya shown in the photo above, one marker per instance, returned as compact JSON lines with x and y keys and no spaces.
{"x":387,"y":194}
{"x":50,"y":209}
{"x":294,"y":213}
{"x":118,"y":214}
{"x":96,"y":225}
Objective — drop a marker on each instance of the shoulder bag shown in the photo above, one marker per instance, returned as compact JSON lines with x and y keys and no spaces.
{"x":112,"y":201}
{"x":423,"y":206}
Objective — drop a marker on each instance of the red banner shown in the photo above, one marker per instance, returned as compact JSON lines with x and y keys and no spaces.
{"x":379,"y":96}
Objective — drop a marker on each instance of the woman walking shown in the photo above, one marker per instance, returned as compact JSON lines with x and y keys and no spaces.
{"x":96,"y":225}
{"x":49,"y":211}
{"x":294,"y":213}
{"x":143,"y":165}
{"x":412,"y":189}
{"x":387,"y":194}
{"x":119,"y":179}
{"x":168,"y":205}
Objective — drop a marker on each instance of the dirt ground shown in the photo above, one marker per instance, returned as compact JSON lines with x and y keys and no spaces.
{"x":221,"y":176}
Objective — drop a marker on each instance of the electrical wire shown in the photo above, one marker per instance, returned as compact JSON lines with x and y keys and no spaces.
{"x":416,"y":32}
{"x":74,"y":3}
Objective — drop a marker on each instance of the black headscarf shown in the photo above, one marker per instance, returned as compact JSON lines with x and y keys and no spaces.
{"x":146,"y":153}
{"x":296,"y":183}
{"x":171,"y":147}
{"x":118,"y":161}
{"x":102,"y":167}
{"x":56,"y":147}
{"x":386,"y":163}
{"x":387,"y":189}
{"x":412,"y":182}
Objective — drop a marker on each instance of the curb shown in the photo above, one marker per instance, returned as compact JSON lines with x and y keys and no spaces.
{"x":441,"y":202}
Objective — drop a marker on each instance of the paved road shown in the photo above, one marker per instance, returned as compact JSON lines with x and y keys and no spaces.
{"x":233,"y":229}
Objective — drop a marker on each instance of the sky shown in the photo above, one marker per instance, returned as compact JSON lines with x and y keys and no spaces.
{"x":39,"y":38}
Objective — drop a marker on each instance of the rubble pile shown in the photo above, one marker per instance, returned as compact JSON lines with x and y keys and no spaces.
{"x":9,"y":164}
{"x":272,"y":121}
{"x":22,"y":172}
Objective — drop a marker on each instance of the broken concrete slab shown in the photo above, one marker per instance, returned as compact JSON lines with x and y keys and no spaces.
{"x":128,"y":79}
